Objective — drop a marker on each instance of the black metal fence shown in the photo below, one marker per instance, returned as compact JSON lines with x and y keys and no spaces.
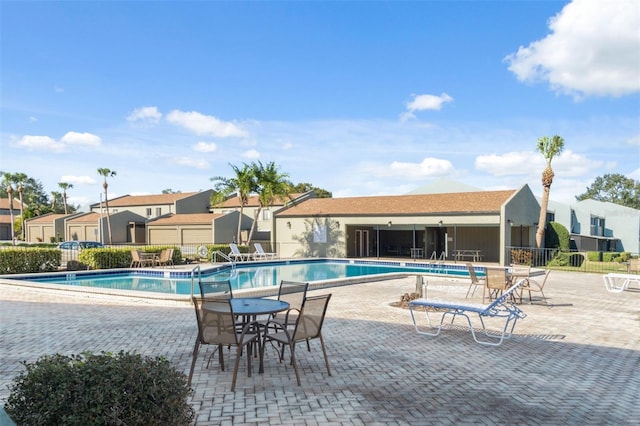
{"x":578,"y":261}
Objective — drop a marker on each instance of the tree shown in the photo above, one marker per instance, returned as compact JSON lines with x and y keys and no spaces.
{"x":7,"y":180}
{"x":271,"y":186}
{"x":20,"y":179}
{"x":549,"y":148}
{"x":65,"y":186}
{"x":614,"y":188}
{"x":55,"y":199}
{"x":105,"y":173}
{"x":306,"y":187}
{"x":243,"y":184}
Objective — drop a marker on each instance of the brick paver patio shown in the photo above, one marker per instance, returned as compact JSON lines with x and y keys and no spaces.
{"x":577,"y":362}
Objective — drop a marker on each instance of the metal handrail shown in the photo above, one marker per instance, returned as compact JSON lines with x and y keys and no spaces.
{"x":197,"y":267}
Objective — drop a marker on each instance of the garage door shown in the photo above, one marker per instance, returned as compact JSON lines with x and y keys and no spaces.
{"x":160,"y":236}
{"x":196,"y":235}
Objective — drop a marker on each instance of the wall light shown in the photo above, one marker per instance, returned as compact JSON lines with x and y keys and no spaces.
{"x":440,"y":223}
{"x":389,"y":224}
{"x":510,"y":222}
{"x":289,"y":225}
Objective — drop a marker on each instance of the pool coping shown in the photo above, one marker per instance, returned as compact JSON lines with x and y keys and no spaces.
{"x":18,"y":280}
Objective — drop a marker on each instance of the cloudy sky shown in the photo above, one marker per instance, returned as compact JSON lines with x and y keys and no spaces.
{"x":359,"y":98}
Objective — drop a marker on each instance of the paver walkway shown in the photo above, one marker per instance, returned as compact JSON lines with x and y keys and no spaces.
{"x":577,"y":362}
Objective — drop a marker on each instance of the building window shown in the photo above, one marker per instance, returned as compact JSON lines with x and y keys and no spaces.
{"x":597,"y":226}
{"x":148,"y":212}
{"x":158,"y":211}
{"x":266,"y":214}
{"x":551,"y":217}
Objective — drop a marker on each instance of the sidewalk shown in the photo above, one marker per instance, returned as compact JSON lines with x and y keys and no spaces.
{"x":577,"y":362}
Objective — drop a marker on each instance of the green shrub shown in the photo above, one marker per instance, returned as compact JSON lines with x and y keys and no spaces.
{"x":22,"y":260}
{"x":557,"y":235}
{"x":567,"y":259}
{"x":88,"y":389}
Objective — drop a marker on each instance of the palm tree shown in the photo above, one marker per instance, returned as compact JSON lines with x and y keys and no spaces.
{"x":55,"y":196}
{"x":20,"y":180}
{"x":65,"y":186}
{"x":8,"y":179}
{"x":105,"y":173}
{"x":243,"y":184}
{"x":272,"y":185}
{"x":549,"y":148}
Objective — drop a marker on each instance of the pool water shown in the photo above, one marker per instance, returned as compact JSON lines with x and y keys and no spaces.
{"x":268,"y":274}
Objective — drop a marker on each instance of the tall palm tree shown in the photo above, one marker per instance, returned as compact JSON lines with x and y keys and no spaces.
{"x":105,"y":173}
{"x":272,"y":185}
{"x":55,"y":196}
{"x":243,"y":184}
{"x":65,"y":186}
{"x":8,"y":179}
{"x":20,"y":181}
{"x":549,"y":148}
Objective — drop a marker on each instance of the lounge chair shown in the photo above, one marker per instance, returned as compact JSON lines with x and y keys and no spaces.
{"x":500,"y":308}
{"x":260,"y":254}
{"x":617,"y":283}
{"x":236,"y":254}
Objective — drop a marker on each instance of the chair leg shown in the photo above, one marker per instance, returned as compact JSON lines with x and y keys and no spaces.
{"x":235,"y":368}
{"x":293,"y":361}
{"x":324,"y":351}
{"x":193,"y":361}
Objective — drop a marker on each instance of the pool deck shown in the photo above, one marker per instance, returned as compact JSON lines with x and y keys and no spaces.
{"x":576,"y":362}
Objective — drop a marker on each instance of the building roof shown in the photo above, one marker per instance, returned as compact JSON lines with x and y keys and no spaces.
{"x":4,"y":203}
{"x":254,"y":201}
{"x":48,"y":218}
{"x":184,"y":219}
{"x":143,"y":200}
{"x":92,"y":217}
{"x":462,"y":202}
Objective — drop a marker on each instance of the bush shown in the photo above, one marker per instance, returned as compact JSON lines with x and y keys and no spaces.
{"x":567,"y":259}
{"x":88,"y":389}
{"x":556,"y":235}
{"x":20,"y":260}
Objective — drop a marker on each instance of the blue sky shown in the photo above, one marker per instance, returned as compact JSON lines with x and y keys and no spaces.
{"x":359,"y":98}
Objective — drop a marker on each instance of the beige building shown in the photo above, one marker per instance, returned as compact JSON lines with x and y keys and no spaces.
{"x":473,"y":225}
{"x":47,"y":228}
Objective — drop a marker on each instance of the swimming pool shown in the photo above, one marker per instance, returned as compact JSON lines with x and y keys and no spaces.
{"x":249,"y":276}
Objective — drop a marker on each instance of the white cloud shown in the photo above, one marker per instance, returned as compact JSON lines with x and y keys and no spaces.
{"x":205,"y":124}
{"x":148,"y":115}
{"x":251,"y":154}
{"x":511,"y":163}
{"x":634,"y":141}
{"x":205,"y":147}
{"x":424,"y":102}
{"x":593,"y":49}
{"x":58,"y":89}
{"x":41,"y":143}
{"x":567,"y":164}
{"x":429,"y":167}
{"x":86,"y":139}
{"x":33,"y":119}
{"x":78,"y":180}
{"x":198,"y":163}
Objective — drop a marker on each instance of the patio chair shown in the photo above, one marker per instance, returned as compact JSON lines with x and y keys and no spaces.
{"x":236,"y":254}
{"x":496,"y":283}
{"x":166,"y":257}
{"x":294,"y":293}
{"x":217,"y":326}
{"x":499,"y":308}
{"x":307,"y":327}
{"x":140,"y":261}
{"x":475,"y":281}
{"x":215,"y":289}
{"x":260,"y":254}
{"x":532,"y":285}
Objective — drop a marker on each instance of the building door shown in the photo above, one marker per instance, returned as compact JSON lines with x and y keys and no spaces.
{"x":362,"y":243}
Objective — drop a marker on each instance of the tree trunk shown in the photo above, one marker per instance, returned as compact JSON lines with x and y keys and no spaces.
{"x":106,"y":204}
{"x":542,"y":221}
{"x":253,"y":225}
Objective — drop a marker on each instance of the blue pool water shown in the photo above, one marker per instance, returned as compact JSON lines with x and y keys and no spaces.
{"x":250,"y":276}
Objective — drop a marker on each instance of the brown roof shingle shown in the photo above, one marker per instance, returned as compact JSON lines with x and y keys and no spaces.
{"x":461,"y":202}
{"x":184,"y":219}
{"x":142,"y":200}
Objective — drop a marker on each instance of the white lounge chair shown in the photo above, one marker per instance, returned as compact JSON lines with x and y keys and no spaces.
{"x":236,"y":254}
{"x":500,"y":308}
{"x":260,"y":254}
